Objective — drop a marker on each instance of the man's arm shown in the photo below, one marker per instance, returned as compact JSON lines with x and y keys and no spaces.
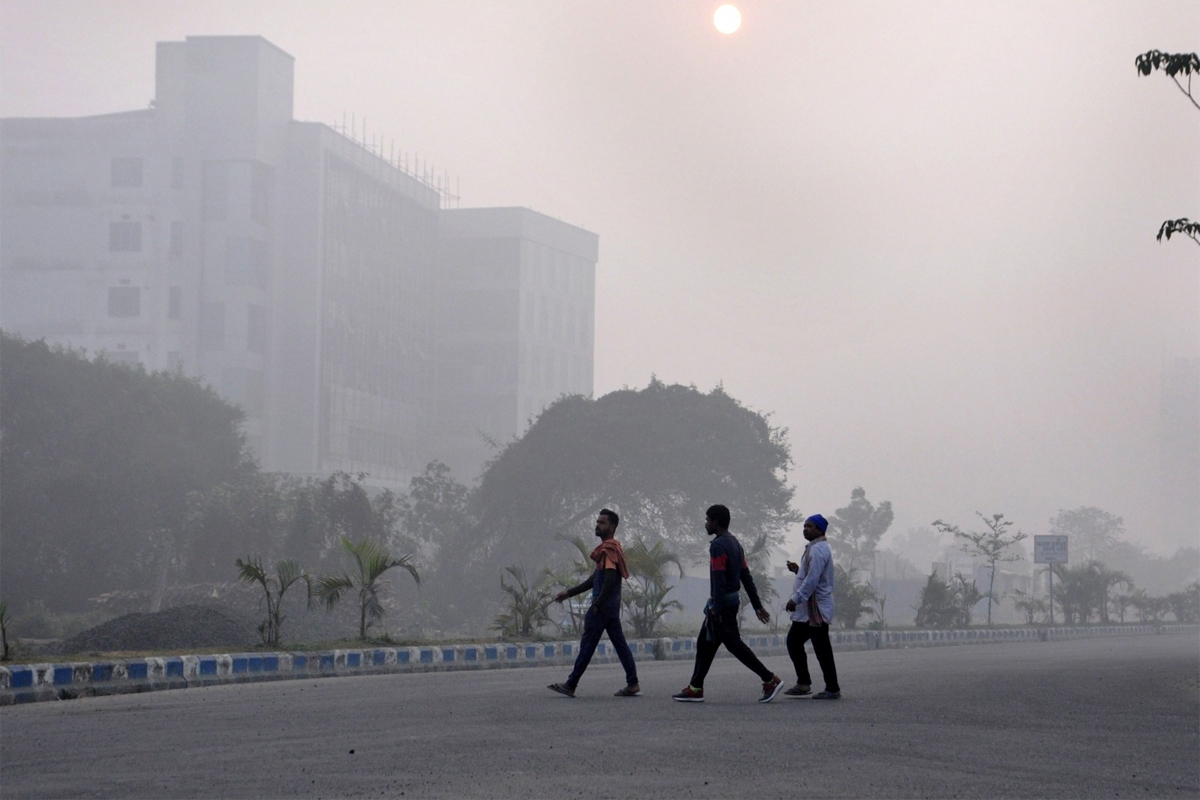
{"x":574,"y":590}
{"x":752,"y":592}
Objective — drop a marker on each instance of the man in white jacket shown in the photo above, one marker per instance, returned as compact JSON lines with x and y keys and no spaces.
{"x":811,"y":605}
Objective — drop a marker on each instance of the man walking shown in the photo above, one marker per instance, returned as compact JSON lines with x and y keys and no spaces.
{"x":728,"y":572}
{"x":811,"y":605}
{"x":604,"y":614}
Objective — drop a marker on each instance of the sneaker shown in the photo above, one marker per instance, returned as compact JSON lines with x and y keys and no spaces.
{"x":799,"y":690}
{"x":689,"y":695}
{"x":561,"y":688}
{"x":632,"y":690}
{"x":827,"y":696}
{"x":770,"y":689}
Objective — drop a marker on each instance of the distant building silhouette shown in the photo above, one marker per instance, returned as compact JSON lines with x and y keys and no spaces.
{"x":360,"y":324}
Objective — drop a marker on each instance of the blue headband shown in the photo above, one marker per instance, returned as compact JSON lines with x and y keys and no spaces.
{"x":819,"y":521}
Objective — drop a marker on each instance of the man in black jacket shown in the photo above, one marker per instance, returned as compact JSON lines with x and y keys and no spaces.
{"x":728,"y":571}
{"x":604,"y":614}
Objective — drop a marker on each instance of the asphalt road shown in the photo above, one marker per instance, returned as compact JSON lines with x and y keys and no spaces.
{"x":1094,"y":718}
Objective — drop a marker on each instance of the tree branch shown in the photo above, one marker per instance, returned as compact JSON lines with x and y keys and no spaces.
{"x":1188,"y":90}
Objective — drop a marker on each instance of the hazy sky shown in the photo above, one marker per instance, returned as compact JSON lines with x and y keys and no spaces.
{"x":919,"y":234}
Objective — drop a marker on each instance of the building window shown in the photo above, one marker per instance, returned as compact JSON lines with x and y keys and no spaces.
{"x":212,"y":326}
{"x":177,"y":239}
{"x":256,"y":329}
{"x":262,"y":179}
{"x":174,"y":303}
{"x":126,"y":173}
{"x":125,"y":237}
{"x":176,"y":173}
{"x":124,"y":301}
{"x":216,"y":190}
{"x":247,"y":262}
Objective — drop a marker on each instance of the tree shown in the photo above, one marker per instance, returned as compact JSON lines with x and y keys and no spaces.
{"x":1092,"y":532}
{"x":97,"y":462}
{"x":946,"y":605}
{"x":966,"y":597}
{"x":989,"y":545}
{"x":857,"y":529}
{"x":527,"y":605}
{"x":1085,"y":590}
{"x":1174,"y":65}
{"x":1185,"y":605}
{"x":1121,"y":604}
{"x":274,"y":588}
{"x":254,"y":514}
{"x":645,"y":598}
{"x":1149,"y":609}
{"x":1105,"y":581}
{"x":371,"y":560}
{"x":851,"y":600}
{"x":660,"y":455}
{"x":1028,"y":605}
{"x":1182,"y":225}
{"x":436,"y":509}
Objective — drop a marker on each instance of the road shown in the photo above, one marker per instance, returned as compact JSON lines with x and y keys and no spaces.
{"x":1094,"y":718}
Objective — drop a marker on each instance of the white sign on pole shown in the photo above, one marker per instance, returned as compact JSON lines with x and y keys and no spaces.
{"x":1050,"y":549}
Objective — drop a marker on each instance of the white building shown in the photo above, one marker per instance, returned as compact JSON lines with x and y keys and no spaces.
{"x":360,"y":325}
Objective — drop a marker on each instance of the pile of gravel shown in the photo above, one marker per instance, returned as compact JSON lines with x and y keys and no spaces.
{"x":179,"y":628}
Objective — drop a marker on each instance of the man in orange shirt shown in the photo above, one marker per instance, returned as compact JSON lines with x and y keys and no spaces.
{"x":604,"y":615}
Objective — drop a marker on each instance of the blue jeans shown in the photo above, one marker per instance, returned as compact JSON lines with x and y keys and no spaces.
{"x":594,"y":625}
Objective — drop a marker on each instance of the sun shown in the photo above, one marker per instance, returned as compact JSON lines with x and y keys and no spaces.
{"x":727,"y":19}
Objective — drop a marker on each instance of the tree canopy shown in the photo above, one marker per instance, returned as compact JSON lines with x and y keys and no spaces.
{"x":857,"y":529}
{"x":1174,"y":65}
{"x":659,"y":456}
{"x":96,"y":463}
{"x":1092,"y":532}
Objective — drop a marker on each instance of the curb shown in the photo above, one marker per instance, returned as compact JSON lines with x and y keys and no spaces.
{"x":29,"y":683}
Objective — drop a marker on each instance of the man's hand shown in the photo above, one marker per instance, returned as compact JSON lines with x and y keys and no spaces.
{"x":793,"y":567}
{"x":763,"y":615}
{"x":558,"y":598}
{"x":790,"y":605}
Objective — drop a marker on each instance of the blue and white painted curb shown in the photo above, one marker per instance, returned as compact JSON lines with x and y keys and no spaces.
{"x":35,"y":682}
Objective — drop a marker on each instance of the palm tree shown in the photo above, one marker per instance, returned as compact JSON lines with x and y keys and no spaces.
{"x":1028,"y":605}
{"x":1121,"y":604}
{"x":851,"y":600}
{"x":274,"y":588}
{"x":371,"y":561}
{"x":966,"y":596}
{"x":645,"y":600}
{"x":936,"y":607}
{"x":527,"y":605}
{"x":1107,"y":580}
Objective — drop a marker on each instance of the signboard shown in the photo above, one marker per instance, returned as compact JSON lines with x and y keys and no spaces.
{"x":1050,"y":549}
